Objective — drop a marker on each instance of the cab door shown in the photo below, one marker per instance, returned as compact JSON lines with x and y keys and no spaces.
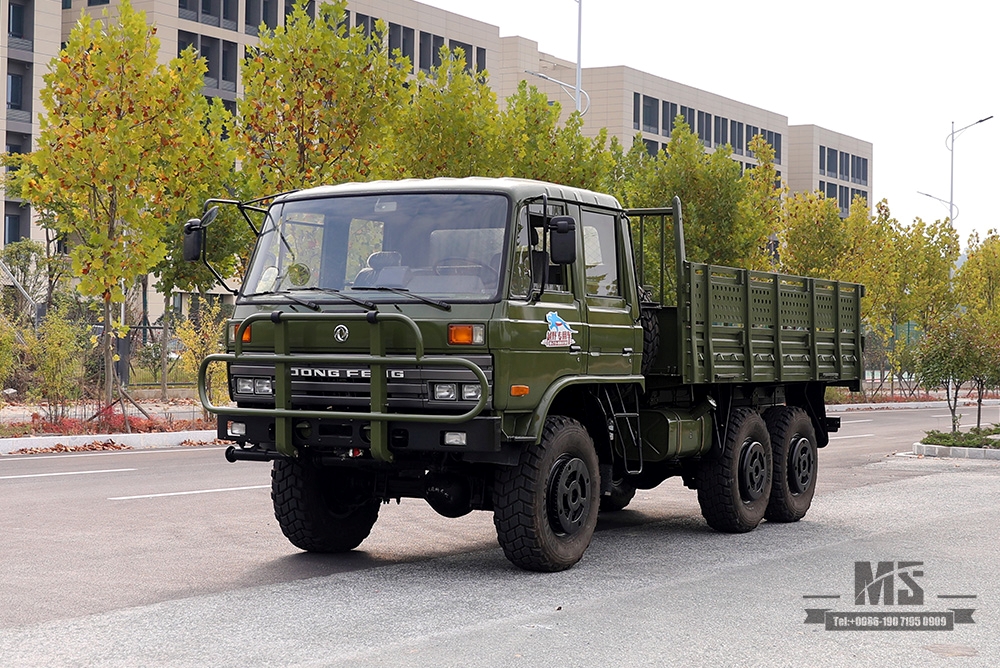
{"x":541,"y":330}
{"x":612,"y":344}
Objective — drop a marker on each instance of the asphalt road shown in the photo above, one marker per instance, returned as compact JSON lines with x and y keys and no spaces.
{"x":173,"y":557}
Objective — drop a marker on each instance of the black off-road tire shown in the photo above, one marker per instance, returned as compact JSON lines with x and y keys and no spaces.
{"x":793,"y":445}
{"x":321,"y":510}
{"x":621,"y":495}
{"x":734,"y":484}
{"x":545,"y":508}
{"x":650,"y":338}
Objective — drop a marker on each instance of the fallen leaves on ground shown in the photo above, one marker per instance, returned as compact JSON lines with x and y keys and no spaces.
{"x":94,"y":446}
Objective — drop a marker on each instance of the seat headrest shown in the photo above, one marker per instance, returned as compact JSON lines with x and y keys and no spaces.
{"x":382,"y":259}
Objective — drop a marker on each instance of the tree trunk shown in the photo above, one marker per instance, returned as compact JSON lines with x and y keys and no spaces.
{"x":164,"y":359}
{"x":109,"y":357}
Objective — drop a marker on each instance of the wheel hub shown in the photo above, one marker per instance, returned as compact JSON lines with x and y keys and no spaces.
{"x":801,"y":466}
{"x":753,"y":471}
{"x":569,"y":495}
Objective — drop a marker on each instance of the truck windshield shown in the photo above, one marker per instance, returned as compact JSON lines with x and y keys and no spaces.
{"x":443,"y":245}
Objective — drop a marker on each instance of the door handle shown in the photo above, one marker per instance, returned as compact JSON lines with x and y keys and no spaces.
{"x":627,"y":351}
{"x":575,"y":348}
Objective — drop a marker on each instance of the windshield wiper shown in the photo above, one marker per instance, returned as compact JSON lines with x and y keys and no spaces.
{"x":284,"y":293}
{"x":364,"y":303}
{"x":444,"y":306}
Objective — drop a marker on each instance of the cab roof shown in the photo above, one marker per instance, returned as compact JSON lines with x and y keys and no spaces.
{"x":517,"y":189}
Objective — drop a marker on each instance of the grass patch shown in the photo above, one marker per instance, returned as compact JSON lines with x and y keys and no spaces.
{"x":974,"y":438}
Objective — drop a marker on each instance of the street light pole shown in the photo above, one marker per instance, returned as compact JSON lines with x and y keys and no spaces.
{"x":950,"y":144}
{"x":579,"y":50}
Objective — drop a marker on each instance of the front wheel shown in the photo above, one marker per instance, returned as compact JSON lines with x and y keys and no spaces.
{"x":545,"y":508}
{"x":322,"y":510}
{"x":734,"y":485}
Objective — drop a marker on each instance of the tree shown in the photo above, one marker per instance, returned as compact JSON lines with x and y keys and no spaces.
{"x":320,"y":104}
{"x":977,"y":282}
{"x":941,"y":361}
{"x":761,"y":208}
{"x":813,"y":240}
{"x":710,"y":190}
{"x":111,"y":152}
{"x":450,"y":127}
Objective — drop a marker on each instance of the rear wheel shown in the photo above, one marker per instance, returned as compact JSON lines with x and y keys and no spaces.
{"x":322,"y":510}
{"x":793,"y":442}
{"x":734,"y":485}
{"x":545,"y":508}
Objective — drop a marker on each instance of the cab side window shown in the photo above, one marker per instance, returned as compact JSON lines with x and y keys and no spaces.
{"x":600,"y":254}
{"x":532,"y":260}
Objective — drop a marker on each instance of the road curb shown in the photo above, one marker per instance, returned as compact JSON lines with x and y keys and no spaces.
{"x":841,"y":408}
{"x":136,"y":441}
{"x":952,"y":451}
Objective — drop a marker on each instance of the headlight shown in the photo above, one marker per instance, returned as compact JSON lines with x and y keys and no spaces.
{"x":244,"y":385}
{"x":263,"y":386}
{"x":445,"y":391}
{"x":472,"y":392}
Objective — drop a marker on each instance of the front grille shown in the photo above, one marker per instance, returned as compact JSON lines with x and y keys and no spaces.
{"x":349,"y":388}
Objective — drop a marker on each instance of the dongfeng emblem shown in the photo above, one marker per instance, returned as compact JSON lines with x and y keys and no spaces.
{"x":560,"y":334}
{"x":340,"y":333}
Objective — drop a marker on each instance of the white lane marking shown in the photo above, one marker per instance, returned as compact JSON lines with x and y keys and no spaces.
{"x":197,"y":491}
{"x":43,"y":456}
{"x":49,"y":475}
{"x":838,"y":438}
{"x":854,"y":421}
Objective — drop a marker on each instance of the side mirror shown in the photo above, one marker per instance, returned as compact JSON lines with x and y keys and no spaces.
{"x":562,"y":239}
{"x":194,"y":235}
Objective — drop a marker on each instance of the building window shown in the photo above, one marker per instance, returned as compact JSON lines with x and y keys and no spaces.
{"x":650,"y":114}
{"x":845,"y":166}
{"x":843,"y":199}
{"x":11,"y":228}
{"x":705,"y":127}
{"x":636,"y":110}
{"x":67,"y":4}
{"x":466,"y":52}
{"x":430,"y":51}
{"x":777,"y":148}
{"x":822,"y":162}
{"x":401,"y":38}
{"x":688,"y":114}
{"x":721,"y":131}
{"x":669,"y":113}
{"x":864,"y":173}
{"x":15,"y":24}
{"x":652,"y":147}
{"x":15,"y":83}
{"x":831,"y":190}
{"x":736,"y":137}
{"x":822,"y":187}
{"x":480,"y":59}
{"x":752,"y":131}
{"x":91,"y":3}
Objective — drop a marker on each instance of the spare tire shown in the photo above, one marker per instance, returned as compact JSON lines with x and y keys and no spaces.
{"x":650,"y":337}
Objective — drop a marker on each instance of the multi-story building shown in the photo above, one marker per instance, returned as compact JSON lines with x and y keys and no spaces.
{"x":30,"y":38}
{"x":624,"y":100}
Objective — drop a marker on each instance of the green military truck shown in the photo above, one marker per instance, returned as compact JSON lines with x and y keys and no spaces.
{"x":518,"y":347}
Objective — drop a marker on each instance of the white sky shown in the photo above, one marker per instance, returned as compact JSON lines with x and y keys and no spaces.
{"x":892,"y":73}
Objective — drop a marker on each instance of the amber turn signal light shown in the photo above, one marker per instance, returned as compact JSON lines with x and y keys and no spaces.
{"x":474,"y":335}
{"x":518,"y":390}
{"x":246,"y":333}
